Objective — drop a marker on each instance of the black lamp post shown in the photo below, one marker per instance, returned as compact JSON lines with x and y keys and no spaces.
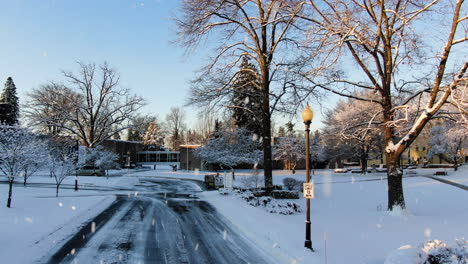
{"x":307,"y":116}
{"x":77,"y":158}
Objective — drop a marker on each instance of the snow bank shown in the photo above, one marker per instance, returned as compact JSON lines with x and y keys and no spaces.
{"x":434,"y":251}
{"x":38,"y":222}
{"x":349,"y":220}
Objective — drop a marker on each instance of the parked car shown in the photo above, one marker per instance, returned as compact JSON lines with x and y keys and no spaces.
{"x":341,"y":170}
{"x":90,"y":170}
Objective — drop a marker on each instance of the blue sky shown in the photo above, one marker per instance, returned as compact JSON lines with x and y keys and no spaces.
{"x":40,"y":38}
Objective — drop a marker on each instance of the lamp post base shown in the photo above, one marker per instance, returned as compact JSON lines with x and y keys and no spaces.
{"x":308,"y":240}
{"x":308,"y":244}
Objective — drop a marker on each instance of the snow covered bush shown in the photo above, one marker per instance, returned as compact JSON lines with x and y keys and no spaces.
{"x":63,"y":162}
{"x":280,"y":194}
{"x":231,"y":148}
{"x":101,"y":157}
{"x":431,"y":252}
{"x":271,"y":205}
{"x":448,"y":140}
{"x":250,"y":182}
{"x":290,"y":183}
{"x":283,"y":207}
{"x":460,"y":250}
{"x":292,"y":149}
{"x":436,"y":252}
{"x":19,"y":151}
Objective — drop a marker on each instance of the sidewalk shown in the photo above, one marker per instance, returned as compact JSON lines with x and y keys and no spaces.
{"x":461,"y":186}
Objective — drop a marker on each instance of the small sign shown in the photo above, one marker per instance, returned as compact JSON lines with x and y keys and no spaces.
{"x":309,"y":190}
{"x":219,"y":181}
{"x":228,"y":180}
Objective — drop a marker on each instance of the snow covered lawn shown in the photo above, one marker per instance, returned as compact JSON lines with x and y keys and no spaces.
{"x":39,"y":222}
{"x":350,"y":223}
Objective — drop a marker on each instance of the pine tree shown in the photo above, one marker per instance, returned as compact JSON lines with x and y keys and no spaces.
{"x":247,"y":99}
{"x":116,"y":136}
{"x":153,"y":136}
{"x":290,"y":127}
{"x":9,"y":109}
{"x":281,"y":132}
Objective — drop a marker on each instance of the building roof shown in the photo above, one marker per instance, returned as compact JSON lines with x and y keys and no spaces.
{"x":190,"y":146}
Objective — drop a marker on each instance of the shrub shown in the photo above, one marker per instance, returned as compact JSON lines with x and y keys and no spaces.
{"x":285,"y":195}
{"x":431,"y":252}
{"x":290,"y":183}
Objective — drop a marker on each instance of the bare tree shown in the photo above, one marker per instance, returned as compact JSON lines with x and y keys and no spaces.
{"x":262,"y":31}
{"x":103,"y":158}
{"x":205,"y":124}
{"x":17,"y":152}
{"x":383,"y":41}
{"x":175,"y":124}
{"x":356,"y":124}
{"x":37,"y":158}
{"x":231,"y":148}
{"x":98,"y":109}
{"x":63,"y":162}
{"x":139,"y":126}
{"x":448,"y":141}
{"x":46,"y":105}
{"x":291,"y":149}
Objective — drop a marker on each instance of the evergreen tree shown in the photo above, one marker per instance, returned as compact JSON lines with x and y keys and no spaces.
{"x":290,"y":127}
{"x":9,"y":109}
{"x":218,"y":126}
{"x":116,"y":136}
{"x":139,"y":127}
{"x":281,"y":132}
{"x":153,"y":137}
{"x":247,"y":99}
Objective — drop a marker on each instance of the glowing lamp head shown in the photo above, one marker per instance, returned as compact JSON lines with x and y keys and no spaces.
{"x":307,"y":114}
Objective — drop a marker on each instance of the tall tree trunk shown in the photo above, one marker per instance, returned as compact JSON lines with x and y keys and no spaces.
{"x":25,"y":177}
{"x":266,"y":121}
{"x":10,"y":190}
{"x":57,"y":190}
{"x":394,"y":172}
{"x":364,"y":164}
{"x":395,"y":182}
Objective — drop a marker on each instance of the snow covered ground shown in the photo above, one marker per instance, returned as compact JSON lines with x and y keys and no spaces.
{"x":38,"y":221}
{"x":349,"y":220}
{"x":350,"y":223}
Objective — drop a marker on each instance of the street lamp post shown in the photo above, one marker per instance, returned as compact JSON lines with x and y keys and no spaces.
{"x":307,"y":116}
{"x":76,"y":181}
{"x":77,"y":160}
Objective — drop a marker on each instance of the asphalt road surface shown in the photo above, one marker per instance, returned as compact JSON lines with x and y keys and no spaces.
{"x":164,"y":222}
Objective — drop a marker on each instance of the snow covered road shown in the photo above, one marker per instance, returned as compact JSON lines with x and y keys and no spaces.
{"x":162,"y":222}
